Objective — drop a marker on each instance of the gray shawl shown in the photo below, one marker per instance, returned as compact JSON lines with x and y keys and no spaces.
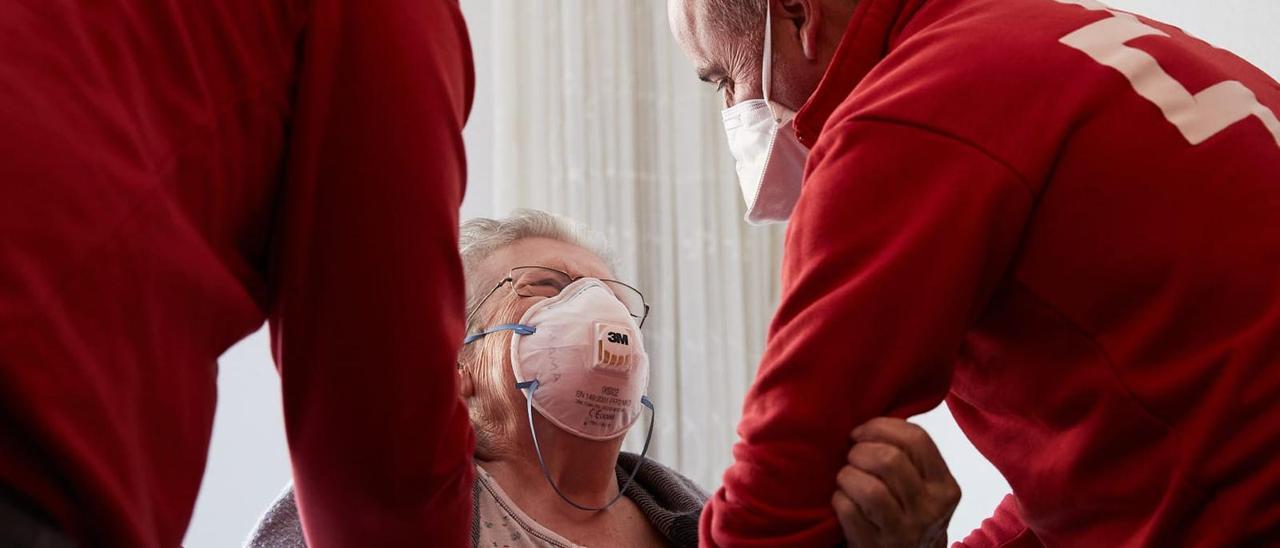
{"x":671,"y":502}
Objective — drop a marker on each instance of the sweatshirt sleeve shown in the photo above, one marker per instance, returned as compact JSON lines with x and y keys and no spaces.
{"x":367,"y":288}
{"x":898,"y":238}
{"x":1004,"y":529}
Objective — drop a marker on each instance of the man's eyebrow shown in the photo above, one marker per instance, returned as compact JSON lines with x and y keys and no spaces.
{"x":707,"y":73}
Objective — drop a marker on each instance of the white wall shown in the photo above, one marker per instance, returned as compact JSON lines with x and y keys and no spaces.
{"x":1246,"y":27}
{"x":248,"y":462}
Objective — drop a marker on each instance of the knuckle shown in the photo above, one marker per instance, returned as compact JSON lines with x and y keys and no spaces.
{"x":942,"y":500}
{"x":896,"y":458}
{"x":842,"y":504}
{"x":883,"y":422}
{"x":916,"y":435}
{"x":953,"y":494}
{"x":885,"y":457}
{"x":847,"y":477}
{"x":873,"y":491}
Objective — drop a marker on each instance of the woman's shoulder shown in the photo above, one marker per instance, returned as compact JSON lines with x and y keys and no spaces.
{"x":280,"y":526}
{"x":659,"y":479}
{"x":670,"y":501}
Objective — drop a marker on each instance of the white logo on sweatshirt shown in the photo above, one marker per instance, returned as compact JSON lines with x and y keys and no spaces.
{"x":1199,"y":116}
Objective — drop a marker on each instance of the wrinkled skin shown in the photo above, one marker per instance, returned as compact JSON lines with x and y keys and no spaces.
{"x":896,"y":490}
{"x":805,"y":36}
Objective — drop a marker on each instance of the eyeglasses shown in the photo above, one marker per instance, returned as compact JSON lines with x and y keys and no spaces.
{"x":541,"y":281}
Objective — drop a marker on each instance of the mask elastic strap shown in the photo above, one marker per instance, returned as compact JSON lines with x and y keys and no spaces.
{"x":518,"y":328}
{"x":766,"y":72}
{"x":531,"y":386}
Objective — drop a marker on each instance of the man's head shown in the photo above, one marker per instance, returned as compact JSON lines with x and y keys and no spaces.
{"x":725,"y":39}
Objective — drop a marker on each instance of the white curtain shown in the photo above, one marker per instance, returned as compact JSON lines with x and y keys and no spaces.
{"x":588,"y":109}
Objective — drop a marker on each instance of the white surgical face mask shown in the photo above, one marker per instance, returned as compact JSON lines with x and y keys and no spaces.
{"x":768,"y":157}
{"x":580,"y":361}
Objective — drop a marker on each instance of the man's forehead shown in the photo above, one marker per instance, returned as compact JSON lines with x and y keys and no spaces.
{"x":689,"y":24}
{"x":683,"y":17}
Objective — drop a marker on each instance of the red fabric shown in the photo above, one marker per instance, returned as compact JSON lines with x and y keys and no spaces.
{"x":172,"y":173}
{"x":994,"y":217}
{"x":1004,"y":529}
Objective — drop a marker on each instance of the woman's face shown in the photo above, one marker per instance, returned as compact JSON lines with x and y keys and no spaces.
{"x":497,"y":408}
{"x":563,"y":256}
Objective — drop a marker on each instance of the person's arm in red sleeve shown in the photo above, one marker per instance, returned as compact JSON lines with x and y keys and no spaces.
{"x":1004,"y":529}
{"x":367,"y":303}
{"x":898,"y":239}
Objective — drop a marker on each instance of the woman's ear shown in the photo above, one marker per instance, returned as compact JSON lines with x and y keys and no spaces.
{"x":466,"y":384}
{"x":806,"y":17}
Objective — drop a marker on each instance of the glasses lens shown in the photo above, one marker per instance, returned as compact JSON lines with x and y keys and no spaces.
{"x":535,"y":281}
{"x":630,"y":297}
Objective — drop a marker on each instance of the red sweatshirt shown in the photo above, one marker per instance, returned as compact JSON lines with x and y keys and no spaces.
{"x":172,"y":173}
{"x":1065,"y":221}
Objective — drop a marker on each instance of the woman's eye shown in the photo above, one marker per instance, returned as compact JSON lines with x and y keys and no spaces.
{"x":539,"y":288}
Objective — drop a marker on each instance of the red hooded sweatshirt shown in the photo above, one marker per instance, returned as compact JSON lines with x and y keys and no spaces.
{"x":172,"y":173}
{"x":1065,"y":221}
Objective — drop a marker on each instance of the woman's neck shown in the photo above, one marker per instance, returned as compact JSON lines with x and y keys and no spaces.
{"x":583,"y":469}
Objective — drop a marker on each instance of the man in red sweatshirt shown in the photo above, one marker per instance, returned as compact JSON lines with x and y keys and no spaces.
{"x":172,"y":172}
{"x":1063,"y":219}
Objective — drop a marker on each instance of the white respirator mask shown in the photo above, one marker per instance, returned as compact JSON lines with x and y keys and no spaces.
{"x":579,"y":359}
{"x":767,"y":155}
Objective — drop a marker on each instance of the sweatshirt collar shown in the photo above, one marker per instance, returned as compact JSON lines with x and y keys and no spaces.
{"x":874,"y":26}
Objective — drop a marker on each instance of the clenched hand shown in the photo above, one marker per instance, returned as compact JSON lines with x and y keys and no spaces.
{"x":896,"y":490}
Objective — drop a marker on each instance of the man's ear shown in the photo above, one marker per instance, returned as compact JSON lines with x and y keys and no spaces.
{"x":805,"y":16}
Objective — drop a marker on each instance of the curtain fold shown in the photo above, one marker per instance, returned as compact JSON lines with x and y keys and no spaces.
{"x":594,"y":113}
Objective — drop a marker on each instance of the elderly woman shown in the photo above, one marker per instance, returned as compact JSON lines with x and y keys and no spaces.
{"x":554,"y":372}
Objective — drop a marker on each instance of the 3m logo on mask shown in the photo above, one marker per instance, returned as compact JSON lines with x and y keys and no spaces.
{"x":614,"y":354}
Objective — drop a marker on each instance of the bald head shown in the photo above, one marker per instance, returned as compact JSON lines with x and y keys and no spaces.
{"x":734,"y":17}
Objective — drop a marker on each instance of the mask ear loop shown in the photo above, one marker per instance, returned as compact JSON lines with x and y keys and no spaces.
{"x":766,"y":68}
{"x":531,"y":386}
{"x":766,"y":81}
{"x":518,"y":328}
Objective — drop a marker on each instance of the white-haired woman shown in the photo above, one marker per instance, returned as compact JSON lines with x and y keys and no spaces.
{"x":550,"y":492}
{"x":554,"y":373}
